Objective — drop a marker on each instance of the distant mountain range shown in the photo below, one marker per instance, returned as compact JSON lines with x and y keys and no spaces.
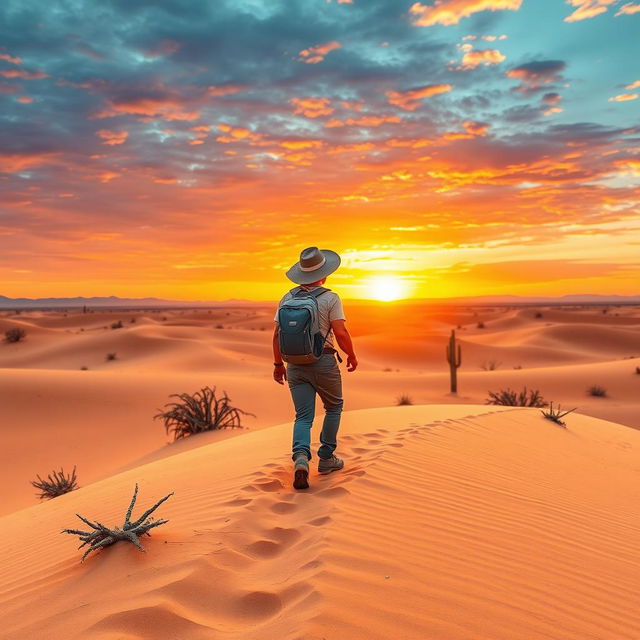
{"x":140,"y":303}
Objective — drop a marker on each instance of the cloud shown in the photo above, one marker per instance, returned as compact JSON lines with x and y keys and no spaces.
{"x":628,"y":9}
{"x":225,"y":90}
{"x":586,"y":9}
{"x":364,"y":121}
{"x":159,"y":103}
{"x":316,"y":54}
{"x":163,"y":48}
{"x":534,"y":75}
{"x":633,"y":85}
{"x":112,"y":137}
{"x":312,"y":107}
{"x":410,"y":100}
{"x":623,"y":97}
{"x":23,"y":73}
{"x":11,"y":59}
{"x":448,"y":12}
{"x":473,"y":58}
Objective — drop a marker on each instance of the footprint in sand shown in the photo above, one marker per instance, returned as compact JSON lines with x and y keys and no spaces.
{"x":269,"y":485}
{"x":283,"y":507}
{"x":318,"y":522}
{"x":333,"y":492}
{"x":264,"y":549}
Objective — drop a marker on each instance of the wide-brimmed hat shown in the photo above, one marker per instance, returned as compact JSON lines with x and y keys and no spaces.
{"x":314,"y":264}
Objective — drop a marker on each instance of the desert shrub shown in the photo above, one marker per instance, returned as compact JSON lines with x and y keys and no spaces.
{"x":56,"y":484}
{"x":638,"y":370}
{"x":201,"y":411}
{"x":387,"y":369}
{"x":219,"y":326}
{"x":480,"y":325}
{"x":111,"y":356}
{"x":132,"y":320}
{"x":517,"y":366}
{"x":556,"y":415}
{"x":100,"y":536}
{"x":404,"y":399}
{"x":116,"y":325}
{"x":538,"y":314}
{"x":597,"y":391}
{"x":490,"y":365}
{"x":14,"y":335}
{"x":511,"y":398}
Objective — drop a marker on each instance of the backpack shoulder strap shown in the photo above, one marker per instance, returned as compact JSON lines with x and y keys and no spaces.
{"x":318,"y":292}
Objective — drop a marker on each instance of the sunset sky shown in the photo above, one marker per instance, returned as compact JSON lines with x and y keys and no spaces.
{"x":190,"y":149}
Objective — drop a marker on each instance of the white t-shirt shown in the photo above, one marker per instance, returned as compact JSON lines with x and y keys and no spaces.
{"x":329,"y":309}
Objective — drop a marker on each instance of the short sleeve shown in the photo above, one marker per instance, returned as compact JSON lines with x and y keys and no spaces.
{"x":336,"y":312}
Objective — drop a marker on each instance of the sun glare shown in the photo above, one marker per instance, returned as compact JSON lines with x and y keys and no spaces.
{"x":386,"y":289}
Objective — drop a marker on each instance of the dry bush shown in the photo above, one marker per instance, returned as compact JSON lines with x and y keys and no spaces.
{"x":480,"y":325}
{"x":56,"y":484}
{"x":490,"y":365}
{"x":556,"y":415}
{"x":111,"y":356}
{"x":597,"y":391}
{"x":14,"y":335}
{"x":404,"y":399}
{"x":201,"y":411}
{"x":511,"y":398}
{"x":117,"y":325}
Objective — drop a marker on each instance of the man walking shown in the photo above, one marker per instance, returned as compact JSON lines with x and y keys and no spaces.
{"x":322,"y":376}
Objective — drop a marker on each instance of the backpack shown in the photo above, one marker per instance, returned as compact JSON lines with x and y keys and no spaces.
{"x":299,"y":336}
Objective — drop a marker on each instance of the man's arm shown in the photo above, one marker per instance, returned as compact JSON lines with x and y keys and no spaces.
{"x":279,"y":370}
{"x":343,"y":337}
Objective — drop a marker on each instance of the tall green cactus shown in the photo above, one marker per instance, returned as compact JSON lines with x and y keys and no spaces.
{"x":454,"y":362}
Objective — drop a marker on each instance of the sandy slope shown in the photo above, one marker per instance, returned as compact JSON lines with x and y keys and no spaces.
{"x":52,"y":414}
{"x":448,"y":522}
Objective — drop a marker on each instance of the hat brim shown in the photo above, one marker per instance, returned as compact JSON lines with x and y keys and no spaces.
{"x":332,"y":262}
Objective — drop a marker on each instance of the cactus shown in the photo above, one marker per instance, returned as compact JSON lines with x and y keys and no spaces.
{"x":454,"y":362}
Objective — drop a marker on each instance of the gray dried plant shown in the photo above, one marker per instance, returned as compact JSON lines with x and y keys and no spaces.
{"x":102,"y":536}
{"x":56,"y":484}
{"x":556,"y":415}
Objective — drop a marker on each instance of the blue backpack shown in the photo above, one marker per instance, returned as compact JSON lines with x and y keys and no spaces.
{"x":299,"y":336}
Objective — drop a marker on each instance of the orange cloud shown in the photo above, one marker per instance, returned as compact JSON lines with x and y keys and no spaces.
{"x":301,"y":144}
{"x":633,"y":85}
{"x":166,"y":108}
{"x":235,"y":133}
{"x":112,"y":137}
{"x":11,"y":59}
{"x":587,"y":9}
{"x":24,"y":74}
{"x":108,"y":176}
{"x":448,"y":12}
{"x":224,"y":90}
{"x":486,"y":57}
{"x":623,"y":97}
{"x":25,"y":99}
{"x":410,"y":100}
{"x":312,"y":107}
{"x":316,"y":54}
{"x":14,"y":162}
{"x":628,"y":9}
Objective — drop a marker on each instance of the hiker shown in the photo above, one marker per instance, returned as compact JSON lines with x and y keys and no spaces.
{"x":307,"y":320}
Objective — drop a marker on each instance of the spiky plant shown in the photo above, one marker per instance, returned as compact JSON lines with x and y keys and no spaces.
{"x":111,"y":356}
{"x":56,"y":484}
{"x":201,"y":411}
{"x":102,"y":536}
{"x":116,"y":325}
{"x":404,"y":399}
{"x":490,"y":365}
{"x":511,"y":398}
{"x":556,"y":415}
{"x":14,"y":335}
{"x":597,"y":391}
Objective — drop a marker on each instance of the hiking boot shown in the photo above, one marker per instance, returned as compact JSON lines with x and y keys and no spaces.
{"x":301,"y":471}
{"x":327,"y":465}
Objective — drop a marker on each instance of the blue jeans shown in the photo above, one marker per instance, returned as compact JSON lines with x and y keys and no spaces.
{"x":305,"y":380}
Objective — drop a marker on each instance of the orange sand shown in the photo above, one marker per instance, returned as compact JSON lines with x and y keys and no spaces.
{"x":452,"y":519}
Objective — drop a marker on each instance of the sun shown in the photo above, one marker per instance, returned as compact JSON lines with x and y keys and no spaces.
{"x":386,"y":288}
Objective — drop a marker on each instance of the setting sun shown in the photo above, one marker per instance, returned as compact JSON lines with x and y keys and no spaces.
{"x":386,"y":289}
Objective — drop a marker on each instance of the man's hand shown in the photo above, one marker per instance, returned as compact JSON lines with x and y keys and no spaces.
{"x":280,"y":374}
{"x":352,"y":363}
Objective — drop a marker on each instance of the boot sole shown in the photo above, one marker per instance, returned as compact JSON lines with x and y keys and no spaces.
{"x":301,"y":479}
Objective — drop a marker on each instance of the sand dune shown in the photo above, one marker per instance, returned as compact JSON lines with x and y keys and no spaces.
{"x":449,"y":522}
{"x":53,"y":414}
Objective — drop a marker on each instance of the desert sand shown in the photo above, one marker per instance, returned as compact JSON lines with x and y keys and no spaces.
{"x":451,"y":519}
